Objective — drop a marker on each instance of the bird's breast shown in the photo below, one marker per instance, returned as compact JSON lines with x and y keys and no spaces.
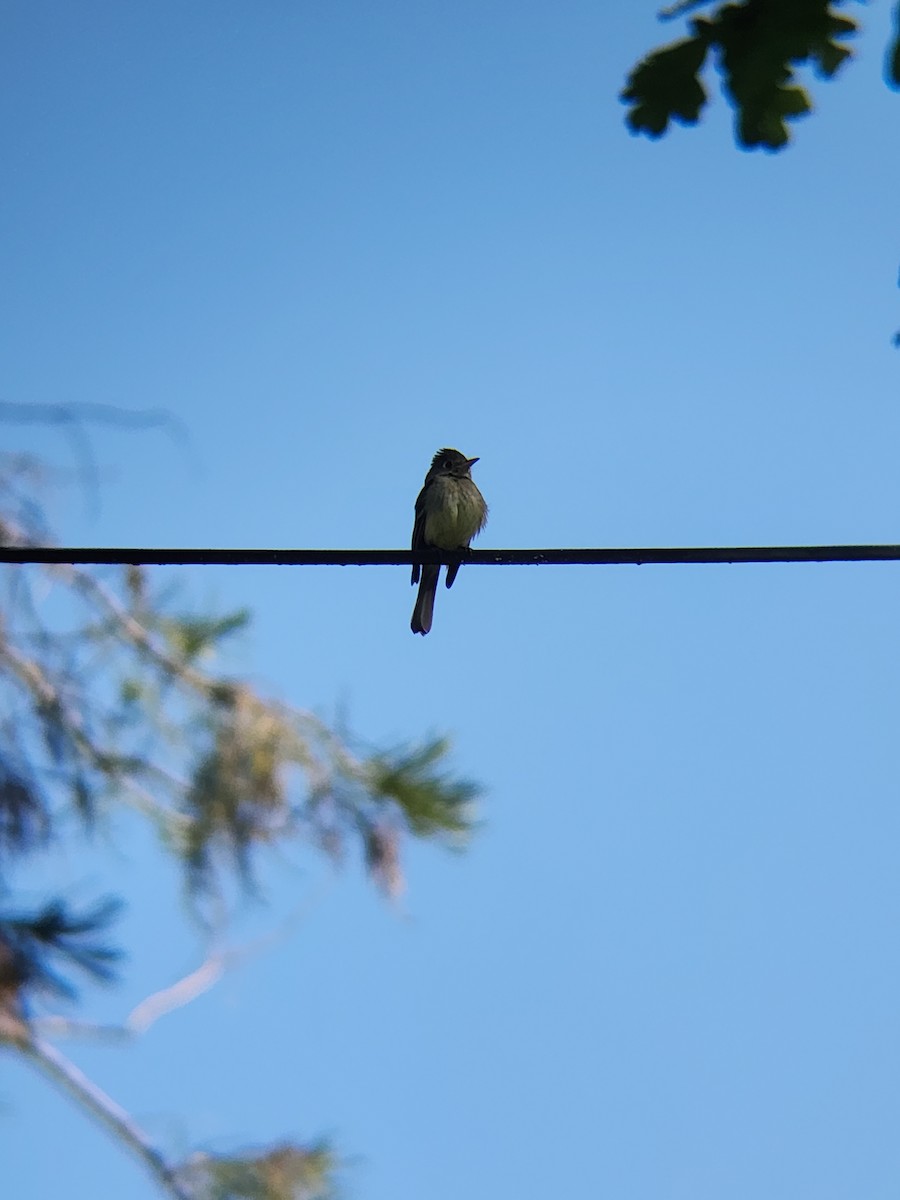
{"x":454,"y":513}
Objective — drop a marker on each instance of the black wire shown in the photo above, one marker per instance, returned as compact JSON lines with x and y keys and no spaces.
{"x":393,"y":558}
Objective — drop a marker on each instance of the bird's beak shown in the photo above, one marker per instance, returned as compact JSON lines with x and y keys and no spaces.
{"x":470,"y":462}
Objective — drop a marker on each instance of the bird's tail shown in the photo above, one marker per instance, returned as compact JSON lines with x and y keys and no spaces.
{"x":424,"y":609}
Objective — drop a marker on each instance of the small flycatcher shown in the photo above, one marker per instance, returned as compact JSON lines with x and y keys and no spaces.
{"x":450,"y":511}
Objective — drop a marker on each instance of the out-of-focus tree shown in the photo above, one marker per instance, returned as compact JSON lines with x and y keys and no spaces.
{"x":758,"y":46}
{"x":108,"y":699}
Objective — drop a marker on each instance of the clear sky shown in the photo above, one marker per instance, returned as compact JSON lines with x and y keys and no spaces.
{"x":331,"y":238}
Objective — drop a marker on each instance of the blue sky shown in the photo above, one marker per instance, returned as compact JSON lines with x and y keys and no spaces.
{"x":331,"y":238}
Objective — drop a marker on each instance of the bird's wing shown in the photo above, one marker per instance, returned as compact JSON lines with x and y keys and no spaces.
{"x":418,"y":533}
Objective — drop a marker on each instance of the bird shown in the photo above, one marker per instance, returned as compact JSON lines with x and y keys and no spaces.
{"x":450,"y":511}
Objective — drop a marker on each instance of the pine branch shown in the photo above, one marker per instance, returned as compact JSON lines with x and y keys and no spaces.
{"x":70,"y":1079}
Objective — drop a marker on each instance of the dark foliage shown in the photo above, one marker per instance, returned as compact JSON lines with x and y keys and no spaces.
{"x":757,"y":46}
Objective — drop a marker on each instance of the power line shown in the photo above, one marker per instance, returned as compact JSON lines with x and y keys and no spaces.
{"x":481,"y":558}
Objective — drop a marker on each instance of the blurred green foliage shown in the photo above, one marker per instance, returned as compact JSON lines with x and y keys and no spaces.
{"x":757,"y":47}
